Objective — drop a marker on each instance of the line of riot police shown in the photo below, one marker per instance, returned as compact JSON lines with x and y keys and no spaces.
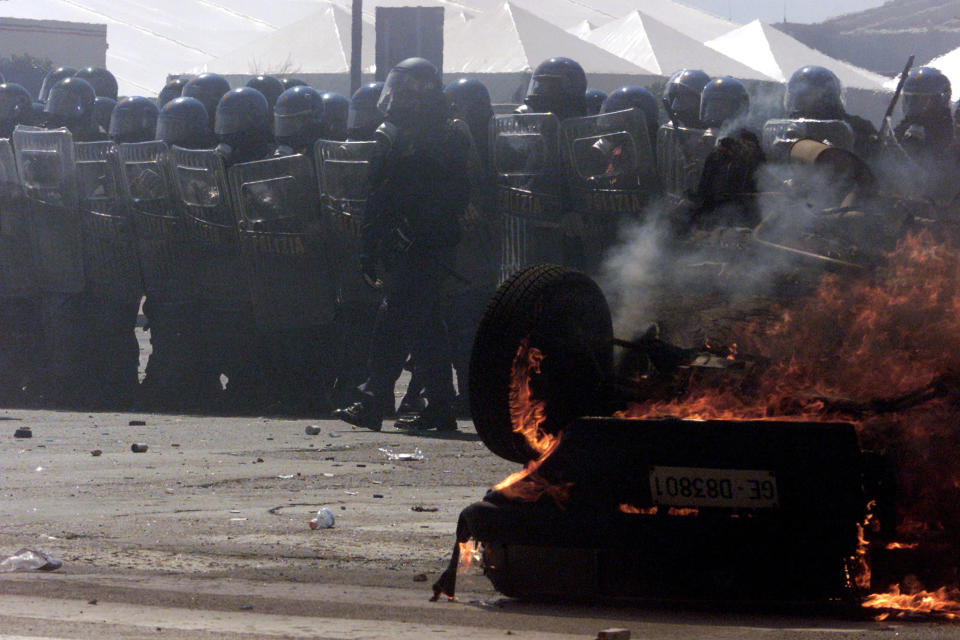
{"x":238,"y":216}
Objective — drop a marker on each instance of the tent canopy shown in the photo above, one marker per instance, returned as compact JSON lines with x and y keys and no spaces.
{"x":511,"y":39}
{"x":778,"y":55}
{"x":661,"y":50}
{"x":319,"y":43}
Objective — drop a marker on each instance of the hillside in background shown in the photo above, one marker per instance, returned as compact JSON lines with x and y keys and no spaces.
{"x":882,"y":39}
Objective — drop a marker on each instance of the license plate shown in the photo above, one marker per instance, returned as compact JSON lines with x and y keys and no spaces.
{"x":698,"y":487}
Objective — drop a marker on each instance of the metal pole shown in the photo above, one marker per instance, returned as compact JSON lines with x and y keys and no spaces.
{"x":356,"y":36}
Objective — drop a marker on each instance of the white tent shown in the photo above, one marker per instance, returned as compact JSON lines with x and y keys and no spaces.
{"x":694,"y":23}
{"x":661,"y":50}
{"x":317,"y":44}
{"x":778,"y":55}
{"x":948,"y":64}
{"x":149,"y":39}
{"x":503,"y":46}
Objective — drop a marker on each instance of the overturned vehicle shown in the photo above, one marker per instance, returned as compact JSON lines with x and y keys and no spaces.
{"x":778,"y":463}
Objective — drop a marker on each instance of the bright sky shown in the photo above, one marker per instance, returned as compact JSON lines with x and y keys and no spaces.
{"x":772,"y":11}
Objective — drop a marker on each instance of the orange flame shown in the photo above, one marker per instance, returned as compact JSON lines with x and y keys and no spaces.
{"x":943,"y":603}
{"x":470,"y":556}
{"x":527,"y":415}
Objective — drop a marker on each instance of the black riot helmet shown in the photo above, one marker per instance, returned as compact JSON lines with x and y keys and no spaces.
{"x":926,"y":93}
{"x":242,"y":119}
{"x":16,"y":107}
{"x":814,"y":92}
{"x":269,"y":86}
{"x":558,"y":86}
{"x":290,"y":83}
{"x":52,"y":78}
{"x":681,"y":96}
{"x":364,"y":117}
{"x":723,"y":100}
{"x":134,"y":120}
{"x":173,"y":89}
{"x":412,"y":95}
{"x":183,"y":122}
{"x":102,"y":111}
{"x":594,"y":100}
{"x":469,"y":100}
{"x":102,"y":81}
{"x":631,"y":97}
{"x":208,"y":88}
{"x":70,"y":104}
{"x":303,"y":115}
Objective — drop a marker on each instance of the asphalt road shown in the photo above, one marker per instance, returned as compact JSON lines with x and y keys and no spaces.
{"x":205,"y":536}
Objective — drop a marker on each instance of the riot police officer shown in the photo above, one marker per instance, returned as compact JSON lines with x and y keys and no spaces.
{"x":815,"y":92}
{"x":681,"y":97}
{"x":411,"y":228}
{"x":134,"y":119}
{"x":269,"y":86}
{"x":183,"y":122}
{"x":723,"y":102}
{"x":364,"y":117}
{"x":70,"y":104}
{"x":103,"y":82}
{"x":242,"y":126}
{"x":20,"y":319}
{"x":171,"y":90}
{"x":631,"y":97}
{"x":16,"y":107}
{"x":594,"y":99}
{"x":303,"y":115}
{"x":477,"y":258}
{"x":208,"y":88}
{"x":102,"y":112}
{"x":53,"y":77}
{"x":558,"y":86}
{"x":927,"y":126}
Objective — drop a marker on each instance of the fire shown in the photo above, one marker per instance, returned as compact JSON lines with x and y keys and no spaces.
{"x":527,"y":415}
{"x":471,"y":554}
{"x":943,"y":603}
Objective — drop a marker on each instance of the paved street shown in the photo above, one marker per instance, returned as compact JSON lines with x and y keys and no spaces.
{"x":205,"y":536}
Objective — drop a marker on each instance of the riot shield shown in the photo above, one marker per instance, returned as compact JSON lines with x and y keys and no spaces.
{"x":48,"y":175}
{"x":211,"y":224}
{"x":525,"y":154}
{"x":282,"y":242}
{"x":110,"y":254}
{"x":344,"y":172}
{"x":681,"y":154}
{"x":165,"y":259}
{"x":779,"y":135}
{"x":609,"y":162}
{"x":17,"y":272}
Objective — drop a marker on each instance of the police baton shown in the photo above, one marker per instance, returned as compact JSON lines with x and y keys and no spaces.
{"x":896,"y":97}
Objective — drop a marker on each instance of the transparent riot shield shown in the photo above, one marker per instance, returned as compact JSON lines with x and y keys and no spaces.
{"x":681,"y":154}
{"x":525,"y":153}
{"x":282,"y":242}
{"x":110,"y":253}
{"x":344,"y":172}
{"x":779,"y":135}
{"x":609,"y":162}
{"x":166,"y":263}
{"x":48,"y":176}
{"x":17,"y":271}
{"x":211,"y":223}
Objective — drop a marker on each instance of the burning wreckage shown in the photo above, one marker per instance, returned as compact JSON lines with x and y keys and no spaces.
{"x":813,"y":457}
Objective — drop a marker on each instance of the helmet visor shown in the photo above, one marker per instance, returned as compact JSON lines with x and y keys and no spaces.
{"x":290,"y":124}
{"x":402,"y":92}
{"x":919,"y":104}
{"x":229,"y":121}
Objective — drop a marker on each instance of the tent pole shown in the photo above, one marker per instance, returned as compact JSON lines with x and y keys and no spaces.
{"x":356,"y":36}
